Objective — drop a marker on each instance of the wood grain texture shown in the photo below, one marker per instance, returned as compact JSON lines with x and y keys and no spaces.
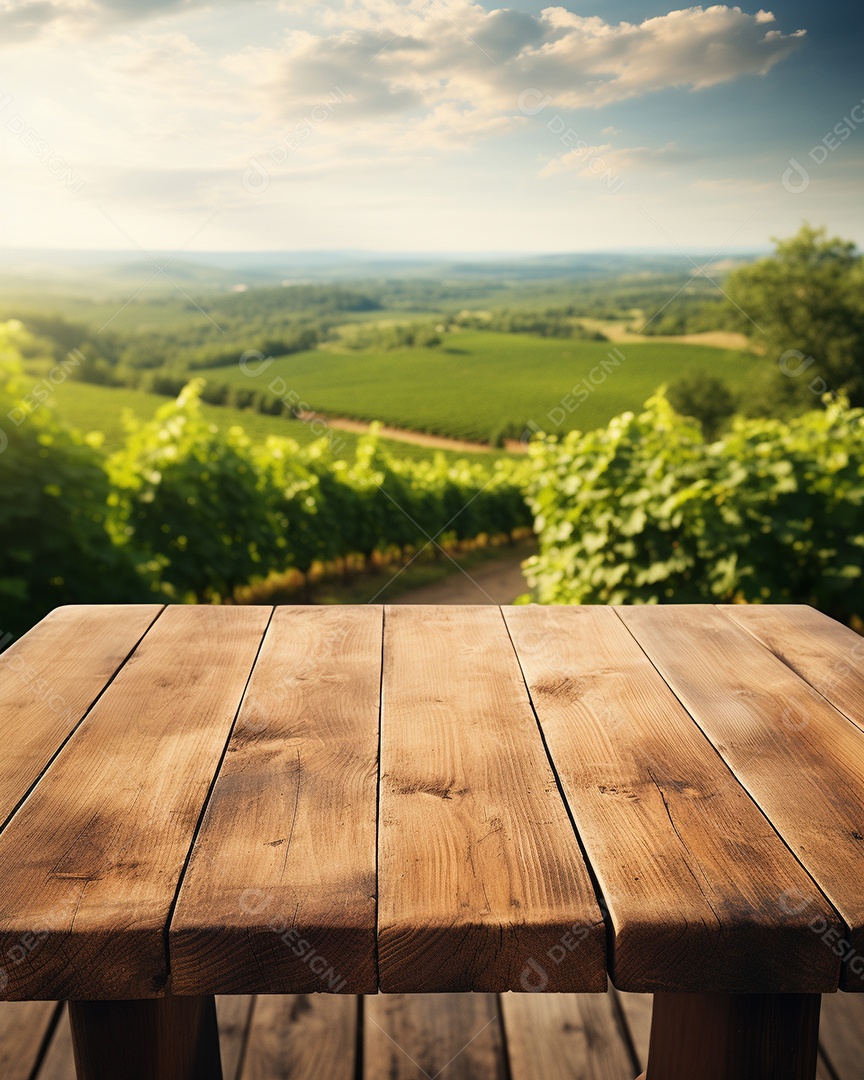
{"x":91,"y":863}
{"x":826,"y":654}
{"x":800,"y":759}
{"x":49,"y":679}
{"x":480,"y":873}
{"x":408,"y":1036}
{"x":734,"y":1037}
{"x":163,"y":1039}
{"x":23,"y":1027}
{"x":689,"y":867}
{"x":279,"y":895}
{"x":564,"y":1036}
{"x":304,"y":1037}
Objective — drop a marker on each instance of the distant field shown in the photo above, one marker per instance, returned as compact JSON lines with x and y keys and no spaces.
{"x":101,"y":408}
{"x":479,"y":382}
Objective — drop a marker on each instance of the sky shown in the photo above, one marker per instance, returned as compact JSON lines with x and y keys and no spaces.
{"x":427,"y":125}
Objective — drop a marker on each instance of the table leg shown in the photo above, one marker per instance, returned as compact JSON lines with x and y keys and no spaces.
{"x":170,"y":1038}
{"x":733,"y":1037}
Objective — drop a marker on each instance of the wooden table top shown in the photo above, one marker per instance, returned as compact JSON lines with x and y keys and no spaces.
{"x":345,"y":799}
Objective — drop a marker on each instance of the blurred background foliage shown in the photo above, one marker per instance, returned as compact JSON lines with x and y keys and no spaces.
{"x":714,"y":491}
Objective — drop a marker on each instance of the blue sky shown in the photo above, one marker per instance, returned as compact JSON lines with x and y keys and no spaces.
{"x":429,"y":125}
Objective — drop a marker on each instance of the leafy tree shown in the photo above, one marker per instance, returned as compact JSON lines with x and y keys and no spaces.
{"x":807,"y":304}
{"x":705,"y":397}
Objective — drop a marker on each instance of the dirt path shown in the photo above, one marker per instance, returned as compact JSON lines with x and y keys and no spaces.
{"x":716,"y":339}
{"x":419,"y":438}
{"x":497,"y":582}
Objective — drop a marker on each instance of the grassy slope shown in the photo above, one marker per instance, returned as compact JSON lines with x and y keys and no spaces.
{"x":479,"y":381}
{"x":100,"y":408}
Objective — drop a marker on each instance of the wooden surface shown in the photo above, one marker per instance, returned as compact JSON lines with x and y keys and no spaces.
{"x":92,"y":860}
{"x":48,"y":681}
{"x":565,"y":1036}
{"x":431,"y":799}
{"x":827,"y":655}
{"x":411,"y":1035}
{"x":23,"y":1028}
{"x":261,"y":1037}
{"x":479,"y":869}
{"x":279,"y":895}
{"x":640,"y":779}
{"x":799,"y":758}
{"x":303,"y":1036}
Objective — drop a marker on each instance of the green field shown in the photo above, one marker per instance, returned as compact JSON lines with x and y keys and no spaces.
{"x":480,"y":383}
{"x":102,"y":408}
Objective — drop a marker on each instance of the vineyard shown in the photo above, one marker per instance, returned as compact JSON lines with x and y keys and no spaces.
{"x":482,"y":385}
{"x":208,"y":512}
{"x":103,"y":408}
{"x":628,"y":507}
{"x":644,"y":511}
{"x":184,"y":511}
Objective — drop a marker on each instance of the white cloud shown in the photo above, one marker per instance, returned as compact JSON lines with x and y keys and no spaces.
{"x":455,"y":58}
{"x":396,"y":54}
{"x":587,"y":160}
{"x":165,"y":115}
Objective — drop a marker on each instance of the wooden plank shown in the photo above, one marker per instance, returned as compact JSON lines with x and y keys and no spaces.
{"x":59,"y":1062}
{"x":689,"y":868}
{"x":279,"y":895}
{"x":50,"y":678}
{"x":406,"y":1036}
{"x":637,"y":1014}
{"x":734,"y":1037}
{"x":234,"y":1013}
{"x":168,"y":1038}
{"x":480,"y":873}
{"x":800,"y":759}
{"x":91,"y":862}
{"x":304,"y":1037}
{"x":23,"y":1028}
{"x":842,"y":1034}
{"x":562,"y":1036}
{"x":821,"y":650}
